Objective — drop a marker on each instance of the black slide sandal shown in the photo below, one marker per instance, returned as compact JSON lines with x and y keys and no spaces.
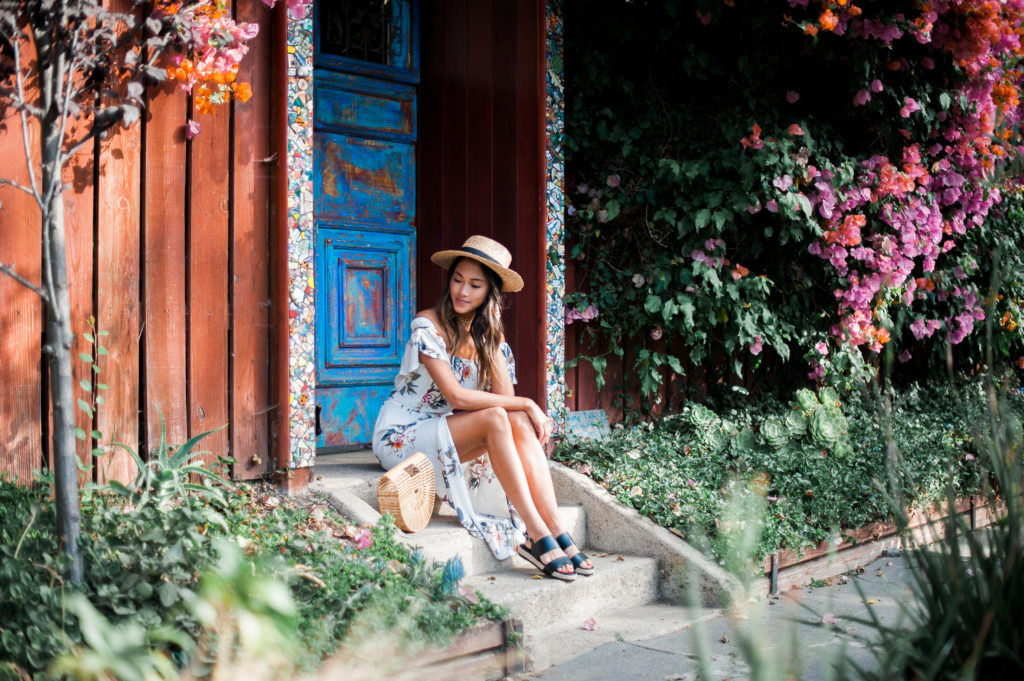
{"x":564,"y":542}
{"x":538,"y":549}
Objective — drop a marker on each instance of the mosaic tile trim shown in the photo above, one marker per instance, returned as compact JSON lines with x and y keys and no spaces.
{"x":555,"y":125}
{"x":301,"y":304}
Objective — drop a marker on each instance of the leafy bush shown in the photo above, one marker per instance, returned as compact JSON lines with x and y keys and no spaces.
{"x":144,"y":564}
{"x":817,"y":462}
{"x":822,"y":187}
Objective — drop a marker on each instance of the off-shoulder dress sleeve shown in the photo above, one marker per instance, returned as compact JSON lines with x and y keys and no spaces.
{"x":510,"y":361}
{"x":425,"y":338}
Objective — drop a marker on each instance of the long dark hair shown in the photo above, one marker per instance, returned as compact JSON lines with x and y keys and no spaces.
{"x":485,"y":329}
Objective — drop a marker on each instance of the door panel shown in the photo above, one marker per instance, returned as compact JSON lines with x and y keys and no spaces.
{"x":364,"y":208}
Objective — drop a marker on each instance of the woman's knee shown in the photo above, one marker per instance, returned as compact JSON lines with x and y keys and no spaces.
{"x":521,"y":424}
{"x":497,"y":419}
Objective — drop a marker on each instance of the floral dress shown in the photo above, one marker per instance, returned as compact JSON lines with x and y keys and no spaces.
{"x":413,"y":419}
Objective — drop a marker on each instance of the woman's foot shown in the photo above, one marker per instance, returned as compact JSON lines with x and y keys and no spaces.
{"x":580,"y":562}
{"x":545,"y":555}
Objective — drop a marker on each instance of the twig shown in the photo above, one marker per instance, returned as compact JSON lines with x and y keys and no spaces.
{"x":9,"y":271}
{"x":31,"y":522}
{"x":17,"y":185}
{"x":16,"y":46}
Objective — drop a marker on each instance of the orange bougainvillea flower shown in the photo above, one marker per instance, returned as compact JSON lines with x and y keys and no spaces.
{"x":828,"y":20}
{"x":739,"y":272}
{"x":810,"y":29}
{"x":882,"y":336}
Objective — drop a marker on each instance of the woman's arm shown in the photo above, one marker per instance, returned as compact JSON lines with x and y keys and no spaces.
{"x":466,"y":399}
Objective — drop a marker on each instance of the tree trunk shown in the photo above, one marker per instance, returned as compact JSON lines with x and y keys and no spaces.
{"x":58,"y":336}
{"x":58,"y":340}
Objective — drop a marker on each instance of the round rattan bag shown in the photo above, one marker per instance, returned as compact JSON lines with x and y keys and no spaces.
{"x":407,"y":492}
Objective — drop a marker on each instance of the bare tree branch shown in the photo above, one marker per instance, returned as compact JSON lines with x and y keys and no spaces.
{"x":16,"y":185}
{"x":9,"y":271}
{"x":24,"y":122}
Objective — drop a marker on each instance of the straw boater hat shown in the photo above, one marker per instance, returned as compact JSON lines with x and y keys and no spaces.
{"x":487,"y":252}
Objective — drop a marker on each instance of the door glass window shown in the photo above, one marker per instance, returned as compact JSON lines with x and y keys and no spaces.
{"x":360,"y":29}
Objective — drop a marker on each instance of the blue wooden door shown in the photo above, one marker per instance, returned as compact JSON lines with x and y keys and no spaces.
{"x":364,"y":174}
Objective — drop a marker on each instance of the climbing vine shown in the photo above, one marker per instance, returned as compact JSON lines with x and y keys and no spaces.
{"x":813,"y":192}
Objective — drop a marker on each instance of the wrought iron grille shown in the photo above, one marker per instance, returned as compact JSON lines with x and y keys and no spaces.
{"x":367,"y":30}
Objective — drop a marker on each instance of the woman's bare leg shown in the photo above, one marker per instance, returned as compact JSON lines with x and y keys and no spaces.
{"x":490,"y":430}
{"x":538,"y":475}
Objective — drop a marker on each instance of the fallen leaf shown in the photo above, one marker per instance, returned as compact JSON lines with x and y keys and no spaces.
{"x":872,"y":601}
{"x":537,"y":577}
{"x":878,"y":572}
{"x":828,"y":618}
{"x":590,"y":624}
{"x":724,"y":639}
{"x":620,"y":558}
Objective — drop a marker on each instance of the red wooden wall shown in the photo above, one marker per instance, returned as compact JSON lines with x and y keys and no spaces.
{"x":169,"y":248}
{"x":481,"y":154}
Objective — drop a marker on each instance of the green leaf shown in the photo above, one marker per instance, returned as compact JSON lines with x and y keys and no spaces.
{"x":85,"y":356}
{"x":653,"y":304}
{"x":101,"y":349}
{"x":86,"y":385}
{"x":675,"y":364}
{"x":89,"y":337}
{"x":613,"y":209}
{"x":945,"y":101}
{"x":97,"y":435}
{"x":702,"y":218}
{"x":80,"y":434}
{"x":84,"y":406}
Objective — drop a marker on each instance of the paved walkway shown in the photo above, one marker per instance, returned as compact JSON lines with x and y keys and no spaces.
{"x":778,"y":626}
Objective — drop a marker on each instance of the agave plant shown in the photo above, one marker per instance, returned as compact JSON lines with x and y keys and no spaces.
{"x":167,"y":475}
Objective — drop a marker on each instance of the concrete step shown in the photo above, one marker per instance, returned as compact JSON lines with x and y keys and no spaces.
{"x":444,"y":537}
{"x":541,"y":602}
{"x":350,"y":480}
{"x":566,"y":641}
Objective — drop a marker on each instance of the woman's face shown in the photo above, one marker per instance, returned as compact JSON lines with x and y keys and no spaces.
{"x":468,"y":286}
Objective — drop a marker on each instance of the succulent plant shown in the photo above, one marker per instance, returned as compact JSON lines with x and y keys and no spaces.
{"x":702,"y":417}
{"x":744,"y":441}
{"x":806,"y":401}
{"x":796,"y":423}
{"x":776,"y":433}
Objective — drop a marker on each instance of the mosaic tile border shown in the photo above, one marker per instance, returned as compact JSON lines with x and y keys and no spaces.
{"x":555,"y":125}
{"x":301,"y":293}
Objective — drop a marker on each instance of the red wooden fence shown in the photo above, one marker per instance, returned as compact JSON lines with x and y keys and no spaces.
{"x":169,"y":248}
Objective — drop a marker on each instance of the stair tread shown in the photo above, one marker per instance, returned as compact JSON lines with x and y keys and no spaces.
{"x":520,"y":575}
{"x":565,"y":641}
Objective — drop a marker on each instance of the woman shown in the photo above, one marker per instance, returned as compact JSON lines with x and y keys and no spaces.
{"x":453,"y":400}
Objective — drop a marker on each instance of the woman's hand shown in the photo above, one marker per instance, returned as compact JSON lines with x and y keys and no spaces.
{"x":541,"y":423}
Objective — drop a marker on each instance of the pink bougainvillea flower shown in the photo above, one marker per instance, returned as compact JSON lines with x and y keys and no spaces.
{"x":756,"y":208}
{"x":862,"y":97}
{"x":739,"y":272}
{"x":192,"y":129}
{"x":704,"y":18}
{"x":794,"y":129}
{"x":772,"y":206}
{"x":756,"y":348}
{"x":904,"y":356}
{"x":928,"y":63}
{"x":753,"y":141}
{"x":589,"y":625}
{"x":969,"y":457}
{"x":364,"y":539}
{"x":639,"y":280}
{"x":822,"y":348}
{"x":828,"y":618}
{"x":783,"y":183}
{"x":909,"y":107}
{"x":792,"y":97}
{"x":876,"y":85}
{"x":656,"y":333}
{"x":613,"y":180}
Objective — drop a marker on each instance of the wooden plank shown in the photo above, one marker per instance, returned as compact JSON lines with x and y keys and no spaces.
{"x":21,"y":312}
{"x":79,"y":197}
{"x":117,"y":291}
{"x":250,"y":281}
{"x":164,"y":341}
{"x":456,"y":149}
{"x":479,"y":124}
{"x":530,"y":185}
{"x":208,"y":289}
{"x":430,"y":161}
